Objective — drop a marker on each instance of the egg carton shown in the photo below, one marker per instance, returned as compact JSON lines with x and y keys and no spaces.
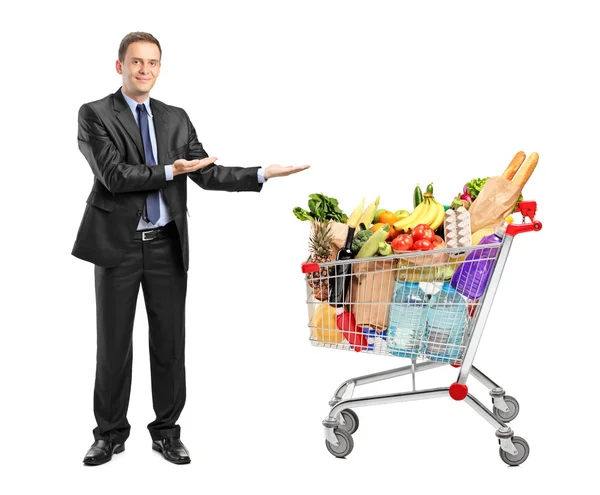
{"x":457,"y":228}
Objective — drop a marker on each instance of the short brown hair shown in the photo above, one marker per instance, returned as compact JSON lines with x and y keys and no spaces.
{"x":132,"y":38}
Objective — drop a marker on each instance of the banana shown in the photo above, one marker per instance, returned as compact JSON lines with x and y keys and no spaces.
{"x":427,"y":213}
{"x":432,"y":212}
{"x":439,"y":219}
{"x":405,"y":223}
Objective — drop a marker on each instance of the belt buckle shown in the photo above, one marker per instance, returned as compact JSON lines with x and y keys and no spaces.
{"x":147,"y":232}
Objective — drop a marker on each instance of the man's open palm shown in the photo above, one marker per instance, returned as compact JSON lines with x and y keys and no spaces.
{"x":182,"y":166}
{"x":281,"y":171}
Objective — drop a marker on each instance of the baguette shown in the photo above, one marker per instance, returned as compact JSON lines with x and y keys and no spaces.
{"x":514,"y":165}
{"x":526,"y":170}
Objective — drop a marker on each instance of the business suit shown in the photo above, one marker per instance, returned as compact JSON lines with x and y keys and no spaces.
{"x":111,"y":142}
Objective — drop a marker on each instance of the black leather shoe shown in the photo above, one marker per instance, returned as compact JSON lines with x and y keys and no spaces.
{"x":101,"y":451}
{"x":172,"y":450}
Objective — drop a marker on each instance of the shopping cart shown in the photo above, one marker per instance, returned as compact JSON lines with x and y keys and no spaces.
{"x":430,"y":307}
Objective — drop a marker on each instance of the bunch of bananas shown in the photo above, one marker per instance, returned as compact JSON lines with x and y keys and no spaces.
{"x":429,"y":212}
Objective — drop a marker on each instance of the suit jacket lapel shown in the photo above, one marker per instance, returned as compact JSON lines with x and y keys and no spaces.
{"x":160,"y":129}
{"x":123,"y":113}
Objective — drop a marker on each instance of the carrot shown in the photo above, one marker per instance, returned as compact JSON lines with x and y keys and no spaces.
{"x":526,"y":170}
{"x":514,"y":165}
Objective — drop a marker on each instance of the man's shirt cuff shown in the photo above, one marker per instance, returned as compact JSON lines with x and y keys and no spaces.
{"x":261,"y":175}
{"x":169,"y":172}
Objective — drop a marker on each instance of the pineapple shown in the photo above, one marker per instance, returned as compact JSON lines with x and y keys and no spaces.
{"x":321,"y":250}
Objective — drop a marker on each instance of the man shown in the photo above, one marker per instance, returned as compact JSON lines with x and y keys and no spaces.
{"x":134,"y":230}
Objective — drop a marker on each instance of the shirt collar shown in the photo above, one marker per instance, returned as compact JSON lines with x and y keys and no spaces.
{"x":133,"y":104}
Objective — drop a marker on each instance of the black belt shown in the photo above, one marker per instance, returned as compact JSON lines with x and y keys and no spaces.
{"x":158,"y":233}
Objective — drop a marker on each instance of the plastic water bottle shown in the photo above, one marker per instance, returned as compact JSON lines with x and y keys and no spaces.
{"x":446,"y":322}
{"x":471,"y":277}
{"x":407,"y":321}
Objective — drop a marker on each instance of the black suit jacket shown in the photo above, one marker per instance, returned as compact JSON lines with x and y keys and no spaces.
{"x":111,"y":142}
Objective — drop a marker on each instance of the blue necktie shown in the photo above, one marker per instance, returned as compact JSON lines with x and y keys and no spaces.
{"x":152,"y":201}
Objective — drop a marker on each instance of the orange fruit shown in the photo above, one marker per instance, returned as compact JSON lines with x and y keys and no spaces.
{"x":388,"y":217}
{"x":393,"y":234}
{"x":376,"y":227}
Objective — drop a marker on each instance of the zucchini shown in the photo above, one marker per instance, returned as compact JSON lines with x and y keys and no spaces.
{"x":370,"y":248}
{"x":418,"y":196}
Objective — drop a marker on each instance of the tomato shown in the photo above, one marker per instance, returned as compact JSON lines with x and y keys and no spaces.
{"x":423,"y":231}
{"x":403,"y":242}
{"x":388,"y":217}
{"x":422,"y":245}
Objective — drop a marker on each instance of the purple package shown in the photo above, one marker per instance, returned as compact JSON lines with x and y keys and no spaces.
{"x":471,"y":277}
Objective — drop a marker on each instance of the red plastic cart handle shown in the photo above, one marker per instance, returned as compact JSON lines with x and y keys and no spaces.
{"x":310,"y":267}
{"x":527,"y":209}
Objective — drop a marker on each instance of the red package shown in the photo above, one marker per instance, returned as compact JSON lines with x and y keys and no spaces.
{"x":353,"y":334}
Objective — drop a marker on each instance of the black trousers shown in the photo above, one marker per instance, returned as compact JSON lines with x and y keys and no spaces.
{"x":158,"y":267}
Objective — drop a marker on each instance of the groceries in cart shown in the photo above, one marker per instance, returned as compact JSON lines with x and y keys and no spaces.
{"x":418,"y":285}
{"x":407,"y":283}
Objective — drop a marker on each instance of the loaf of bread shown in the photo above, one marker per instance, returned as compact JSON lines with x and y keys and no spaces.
{"x":514,"y":165}
{"x":526,"y":170}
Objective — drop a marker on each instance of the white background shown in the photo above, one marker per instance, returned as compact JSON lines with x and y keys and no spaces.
{"x":376,"y":97}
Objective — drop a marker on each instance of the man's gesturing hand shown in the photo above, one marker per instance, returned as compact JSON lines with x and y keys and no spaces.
{"x":182,"y":166}
{"x":280,"y":171}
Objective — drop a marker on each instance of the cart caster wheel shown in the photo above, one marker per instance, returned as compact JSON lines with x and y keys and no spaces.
{"x":346,"y":444}
{"x":523,"y":452}
{"x":351,"y":420}
{"x":513,"y":410}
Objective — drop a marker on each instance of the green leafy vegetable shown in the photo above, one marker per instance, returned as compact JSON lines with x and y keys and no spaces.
{"x":475,"y":186}
{"x":321,"y":208}
{"x":303,"y":214}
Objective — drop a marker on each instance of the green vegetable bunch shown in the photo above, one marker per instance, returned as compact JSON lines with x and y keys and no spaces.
{"x":321,"y":208}
{"x":474,"y":187}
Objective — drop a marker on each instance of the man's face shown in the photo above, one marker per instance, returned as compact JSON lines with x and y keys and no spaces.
{"x":139,"y":69}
